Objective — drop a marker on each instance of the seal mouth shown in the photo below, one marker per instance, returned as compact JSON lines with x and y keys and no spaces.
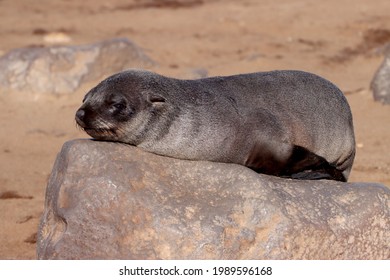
{"x":102,"y":133}
{"x":97,"y":132}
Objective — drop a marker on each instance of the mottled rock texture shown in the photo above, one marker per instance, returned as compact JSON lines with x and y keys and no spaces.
{"x":63,"y":69}
{"x":113,"y":201}
{"x":380,"y":84}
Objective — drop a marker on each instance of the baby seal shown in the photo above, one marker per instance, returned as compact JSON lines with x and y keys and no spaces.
{"x":290,"y":124}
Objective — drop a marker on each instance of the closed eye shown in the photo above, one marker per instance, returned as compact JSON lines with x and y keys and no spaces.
{"x":119,"y":106}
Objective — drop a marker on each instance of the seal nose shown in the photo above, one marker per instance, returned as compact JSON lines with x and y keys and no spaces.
{"x":80,"y":114}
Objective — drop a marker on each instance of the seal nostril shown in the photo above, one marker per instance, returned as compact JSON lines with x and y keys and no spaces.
{"x":80,"y":114}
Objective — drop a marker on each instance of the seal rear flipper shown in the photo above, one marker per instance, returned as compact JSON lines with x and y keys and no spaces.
{"x":317,"y":175}
{"x":305,"y":165}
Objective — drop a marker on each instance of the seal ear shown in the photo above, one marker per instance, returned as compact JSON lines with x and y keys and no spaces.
{"x":155,"y":98}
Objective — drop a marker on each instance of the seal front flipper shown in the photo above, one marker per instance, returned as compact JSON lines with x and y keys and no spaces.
{"x":266,"y":158}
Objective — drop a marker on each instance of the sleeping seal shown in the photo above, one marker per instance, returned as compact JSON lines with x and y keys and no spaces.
{"x":284,"y":123}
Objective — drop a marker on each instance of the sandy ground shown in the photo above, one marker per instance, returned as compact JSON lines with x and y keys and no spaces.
{"x":338,"y":39}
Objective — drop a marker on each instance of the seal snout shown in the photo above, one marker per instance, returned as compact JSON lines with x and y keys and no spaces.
{"x":97,"y":128}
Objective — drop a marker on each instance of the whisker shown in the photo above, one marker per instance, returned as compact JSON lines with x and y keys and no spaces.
{"x":79,"y":127}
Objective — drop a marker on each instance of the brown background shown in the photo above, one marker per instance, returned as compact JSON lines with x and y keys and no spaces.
{"x":341,"y":40}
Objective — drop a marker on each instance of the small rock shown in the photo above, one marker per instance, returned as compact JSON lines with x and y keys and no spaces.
{"x":62,"y":69}
{"x":193,"y":74}
{"x":113,"y":201}
{"x":199,"y":73}
{"x":380,"y":84}
{"x":56,"y":38}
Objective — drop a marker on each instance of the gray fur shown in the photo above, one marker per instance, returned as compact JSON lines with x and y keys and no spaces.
{"x":285,"y":123}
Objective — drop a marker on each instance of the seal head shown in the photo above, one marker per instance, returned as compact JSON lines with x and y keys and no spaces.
{"x":111,"y":112}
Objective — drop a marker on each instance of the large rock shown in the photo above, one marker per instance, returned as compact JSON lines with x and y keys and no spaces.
{"x":380,"y":84}
{"x":114,"y":201}
{"x":63,"y":69}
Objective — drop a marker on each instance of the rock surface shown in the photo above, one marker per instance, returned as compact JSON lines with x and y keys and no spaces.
{"x":60,"y":70}
{"x":114,"y":201}
{"x":380,"y":84}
